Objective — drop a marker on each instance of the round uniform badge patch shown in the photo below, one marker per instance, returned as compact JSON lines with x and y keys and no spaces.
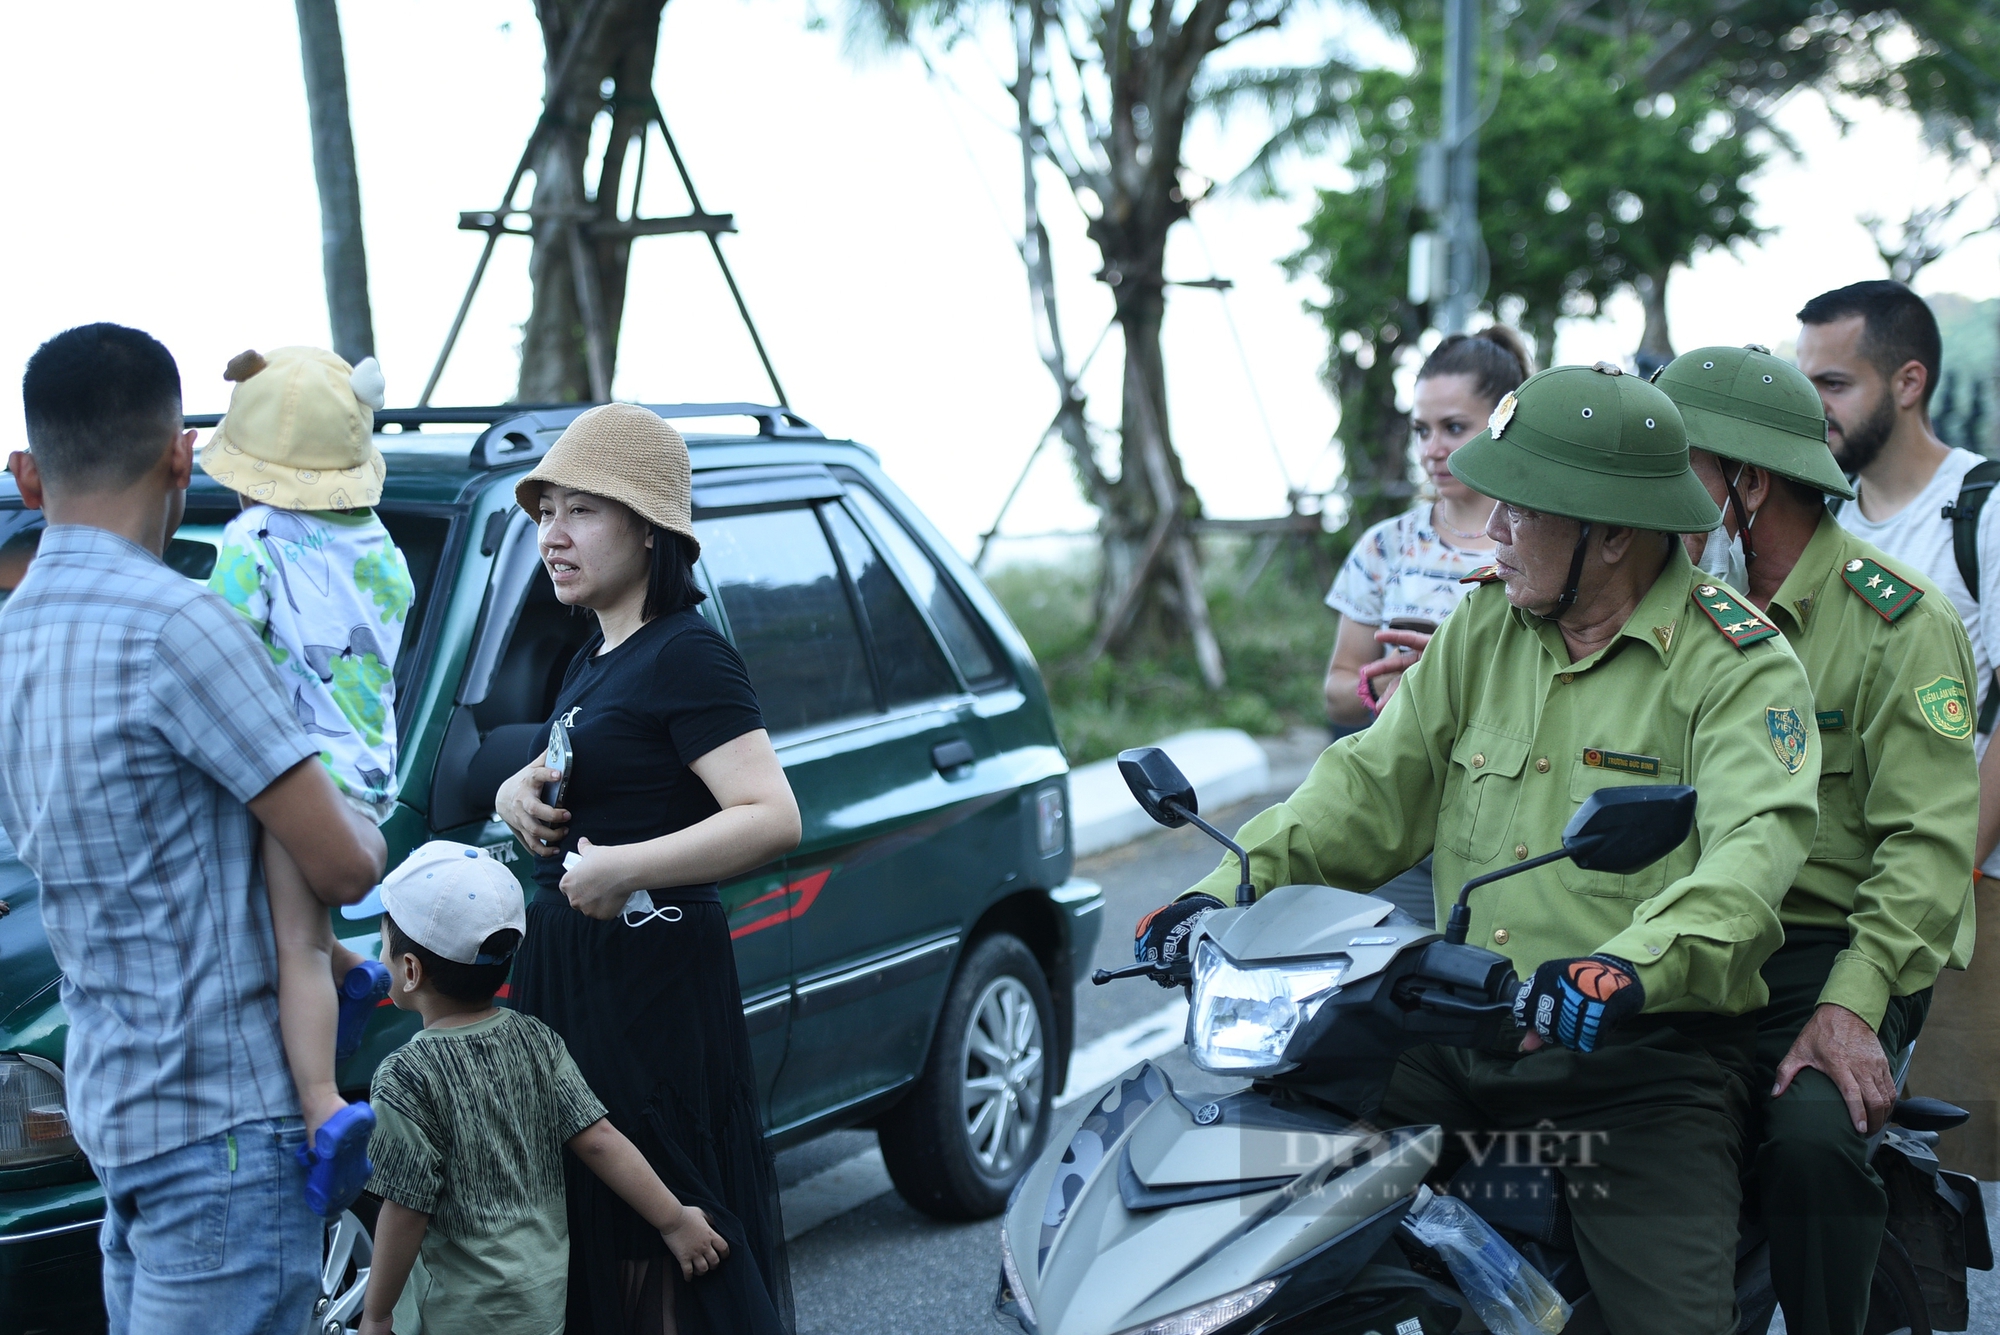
{"x":1503,"y":413}
{"x":1946,"y":707}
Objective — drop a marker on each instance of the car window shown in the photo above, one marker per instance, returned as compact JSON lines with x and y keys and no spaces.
{"x":421,"y":538}
{"x":976,"y":658}
{"x":906,"y":655}
{"x":789,"y":615}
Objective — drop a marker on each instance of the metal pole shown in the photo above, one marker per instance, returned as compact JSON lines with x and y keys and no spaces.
{"x":1461,"y":139}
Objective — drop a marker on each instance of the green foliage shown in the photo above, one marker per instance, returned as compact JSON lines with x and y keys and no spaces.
{"x":1276,"y":639}
{"x":1587,"y":183}
{"x":1971,"y":334}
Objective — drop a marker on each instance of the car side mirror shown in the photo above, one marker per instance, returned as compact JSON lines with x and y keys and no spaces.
{"x":1156,"y":782}
{"x":1620,"y":830}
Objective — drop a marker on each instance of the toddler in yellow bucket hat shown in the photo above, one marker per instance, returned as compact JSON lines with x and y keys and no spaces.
{"x":312,"y":568}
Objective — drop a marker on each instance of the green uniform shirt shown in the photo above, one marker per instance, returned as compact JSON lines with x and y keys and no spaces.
{"x":1898,"y":788}
{"x":1495,"y":737}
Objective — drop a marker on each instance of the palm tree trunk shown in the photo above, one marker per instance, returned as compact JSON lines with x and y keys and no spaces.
{"x":343,"y":255}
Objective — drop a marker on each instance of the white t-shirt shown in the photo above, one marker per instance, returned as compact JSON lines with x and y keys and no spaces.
{"x":1401,"y":568}
{"x":1919,"y":535}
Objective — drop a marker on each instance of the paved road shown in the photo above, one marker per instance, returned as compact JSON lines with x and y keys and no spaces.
{"x":885,"y":1267}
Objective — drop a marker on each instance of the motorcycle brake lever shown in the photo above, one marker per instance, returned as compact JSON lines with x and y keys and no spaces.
{"x":1174,"y":975}
{"x":1102,"y":976}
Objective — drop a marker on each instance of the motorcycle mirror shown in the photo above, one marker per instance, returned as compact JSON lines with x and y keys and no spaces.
{"x":1620,"y":830}
{"x":1165,"y":794}
{"x":1616,"y":830}
{"x":1158,"y":785}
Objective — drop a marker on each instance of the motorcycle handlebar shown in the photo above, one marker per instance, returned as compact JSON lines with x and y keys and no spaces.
{"x":1176,"y":973}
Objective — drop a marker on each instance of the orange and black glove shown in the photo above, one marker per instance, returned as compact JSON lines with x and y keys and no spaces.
{"x":1575,"y":1002}
{"x":1161,"y":937}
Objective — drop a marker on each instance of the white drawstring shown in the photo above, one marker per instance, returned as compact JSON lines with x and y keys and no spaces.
{"x":641,"y":904}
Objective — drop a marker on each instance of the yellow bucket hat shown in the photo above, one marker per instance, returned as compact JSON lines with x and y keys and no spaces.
{"x":624,"y":453}
{"x":300,"y":431}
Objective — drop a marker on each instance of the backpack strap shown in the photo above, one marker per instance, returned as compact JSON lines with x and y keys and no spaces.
{"x":1973,"y":493}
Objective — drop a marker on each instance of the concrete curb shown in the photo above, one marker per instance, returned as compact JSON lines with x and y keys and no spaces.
{"x":1225,"y":765}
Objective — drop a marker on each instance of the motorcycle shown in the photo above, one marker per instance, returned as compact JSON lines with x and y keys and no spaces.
{"x":1281,"y":1206}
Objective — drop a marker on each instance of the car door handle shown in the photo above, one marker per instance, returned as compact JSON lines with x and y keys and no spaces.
{"x":951,"y":755}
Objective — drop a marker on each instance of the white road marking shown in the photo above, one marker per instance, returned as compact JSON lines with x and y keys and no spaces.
{"x":854,"y":1182}
{"x":832,"y":1193}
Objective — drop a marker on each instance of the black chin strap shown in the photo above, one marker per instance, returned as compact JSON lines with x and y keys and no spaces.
{"x":1742,"y":516}
{"x":1568,"y":599}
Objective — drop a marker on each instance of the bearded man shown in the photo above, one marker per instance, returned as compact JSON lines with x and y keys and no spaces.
{"x":1872,"y":350}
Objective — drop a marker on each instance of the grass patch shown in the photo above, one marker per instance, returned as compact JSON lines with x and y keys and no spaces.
{"x":1275,"y":641}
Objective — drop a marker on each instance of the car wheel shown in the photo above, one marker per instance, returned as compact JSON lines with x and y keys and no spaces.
{"x":979,"y":1112}
{"x":343,"y":1276}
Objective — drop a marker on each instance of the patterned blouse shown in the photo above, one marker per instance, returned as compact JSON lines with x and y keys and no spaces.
{"x":1401,"y":568}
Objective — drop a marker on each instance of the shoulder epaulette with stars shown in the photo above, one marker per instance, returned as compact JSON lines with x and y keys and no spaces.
{"x":1739,"y":622}
{"x":1889,"y":595}
{"x":1483,"y":575}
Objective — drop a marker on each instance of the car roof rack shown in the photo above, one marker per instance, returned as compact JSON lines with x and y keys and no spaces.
{"x":519,"y":432}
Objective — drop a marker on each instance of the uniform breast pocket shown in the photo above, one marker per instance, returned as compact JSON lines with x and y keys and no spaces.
{"x":1840,"y":835}
{"x":1614,"y":769}
{"x":1481,"y":793}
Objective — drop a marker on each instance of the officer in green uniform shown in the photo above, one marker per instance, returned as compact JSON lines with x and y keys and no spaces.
{"x":1886,"y":888}
{"x":1588,"y":659}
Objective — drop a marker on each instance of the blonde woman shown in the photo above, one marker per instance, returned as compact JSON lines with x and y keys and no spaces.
{"x":1402,"y":577}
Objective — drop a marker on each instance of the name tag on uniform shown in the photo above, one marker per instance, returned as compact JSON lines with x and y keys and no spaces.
{"x":1831,"y":720}
{"x":1621,"y":761}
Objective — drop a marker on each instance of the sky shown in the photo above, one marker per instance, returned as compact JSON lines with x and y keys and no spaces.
{"x":161,"y":176}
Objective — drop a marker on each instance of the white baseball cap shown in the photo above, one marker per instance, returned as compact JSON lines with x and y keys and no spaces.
{"x":448,"y":898}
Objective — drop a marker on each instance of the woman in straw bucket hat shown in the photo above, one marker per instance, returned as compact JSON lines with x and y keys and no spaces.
{"x":670,"y":785}
{"x":310,"y":566}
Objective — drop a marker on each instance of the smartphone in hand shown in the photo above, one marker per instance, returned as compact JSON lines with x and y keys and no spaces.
{"x":558,"y":758}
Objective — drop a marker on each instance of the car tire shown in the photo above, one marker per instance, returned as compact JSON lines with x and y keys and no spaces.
{"x":963,"y":1135}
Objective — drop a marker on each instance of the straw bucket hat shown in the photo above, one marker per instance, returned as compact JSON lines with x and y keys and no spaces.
{"x":300,"y":431}
{"x":623,"y":453}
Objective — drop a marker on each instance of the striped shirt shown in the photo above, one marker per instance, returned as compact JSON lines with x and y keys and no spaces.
{"x":139,"y":715}
{"x":470,"y":1127}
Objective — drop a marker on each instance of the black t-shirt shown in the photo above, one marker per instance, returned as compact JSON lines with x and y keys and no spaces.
{"x":671,"y":693}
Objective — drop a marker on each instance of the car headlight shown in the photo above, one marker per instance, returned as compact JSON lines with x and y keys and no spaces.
{"x":1243,"y":1018}
{"x":34,"y":1118}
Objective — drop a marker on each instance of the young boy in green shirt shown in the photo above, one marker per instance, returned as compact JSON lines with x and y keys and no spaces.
{"x":472,"y":1116}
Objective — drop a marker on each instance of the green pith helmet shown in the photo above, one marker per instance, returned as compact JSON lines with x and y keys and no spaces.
{"x":1745,"y":404}
{"x":1591,"y":443}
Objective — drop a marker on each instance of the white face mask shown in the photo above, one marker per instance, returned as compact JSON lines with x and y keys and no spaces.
{"x":1722,"y":557}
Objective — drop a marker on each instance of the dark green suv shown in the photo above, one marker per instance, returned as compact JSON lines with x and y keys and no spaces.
{"x":909,"y":967}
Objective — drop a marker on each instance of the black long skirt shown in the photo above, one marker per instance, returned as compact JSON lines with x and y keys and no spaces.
{"x":653,"y":1017}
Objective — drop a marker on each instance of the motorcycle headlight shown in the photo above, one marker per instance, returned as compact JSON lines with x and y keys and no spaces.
{"x":34,"y":1119}
{"x":1243,"y":1018}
